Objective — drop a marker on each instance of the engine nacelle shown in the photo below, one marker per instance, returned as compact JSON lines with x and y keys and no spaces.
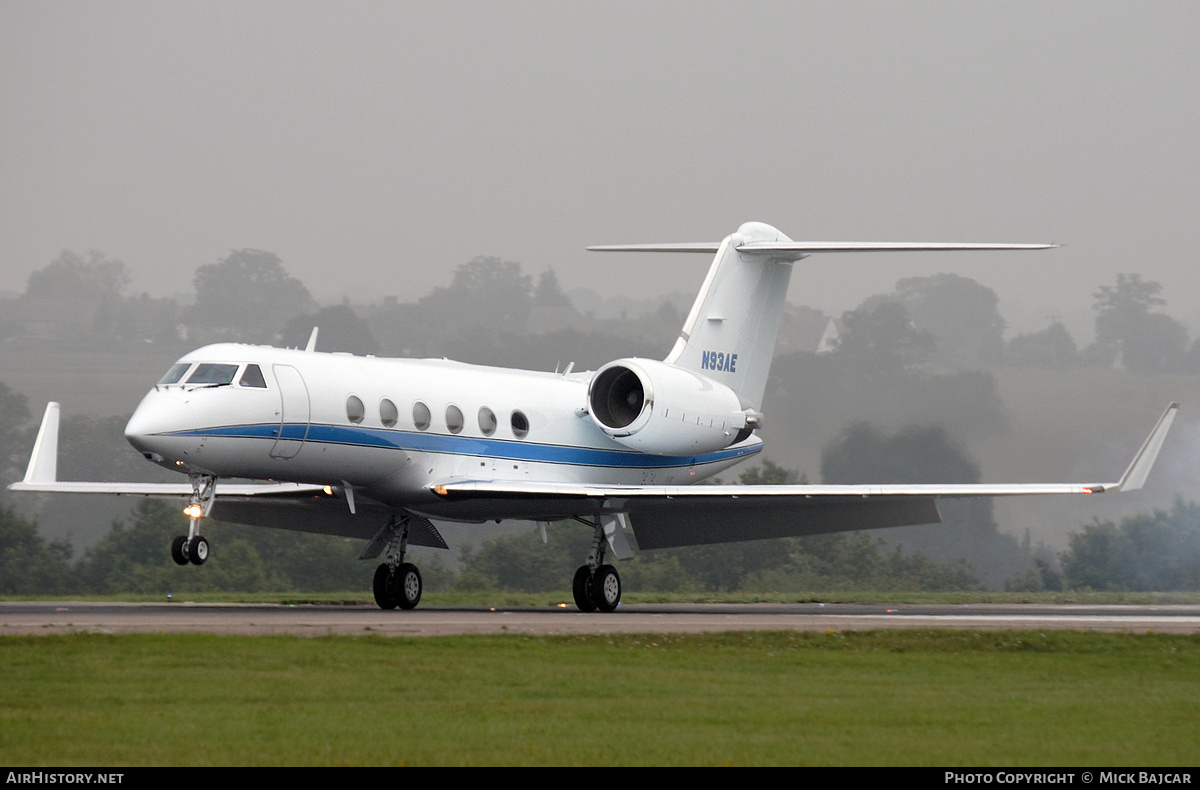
{"x":658,"y":408}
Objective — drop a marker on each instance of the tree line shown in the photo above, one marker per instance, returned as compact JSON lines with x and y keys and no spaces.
{"x":1156,"y":551}
{"x":248,"y":296}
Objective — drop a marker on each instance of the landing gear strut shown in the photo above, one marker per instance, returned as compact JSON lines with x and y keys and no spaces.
{"x":397,"y":583}
{"x":193,"y":547}
{"x":596,"y":585}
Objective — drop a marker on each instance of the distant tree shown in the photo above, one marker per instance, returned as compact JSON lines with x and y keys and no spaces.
{"x":522,"y":562}
{"x":1053,"y":347}
{"x":548,"y":293}
{"x":486,"y":293}
{"x":247,"y":296}
{"x":959,"y":313}
{"x":72,"y":276}
{"x":340,"y":329}
{"x":28,"y":564}
{"x":926,"y":454}
{"x":14,"y":414}
{"x":1146,"y":342}
{"x":1147,"y":551}
{"x":882,"y":337}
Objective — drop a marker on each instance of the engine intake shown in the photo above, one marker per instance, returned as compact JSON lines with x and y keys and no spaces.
{"x":658,"y":408}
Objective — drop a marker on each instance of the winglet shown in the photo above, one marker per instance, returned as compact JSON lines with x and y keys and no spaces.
{"x":312,"y":341}
{"x":43,"y":463}
{"x":1135,"y":476}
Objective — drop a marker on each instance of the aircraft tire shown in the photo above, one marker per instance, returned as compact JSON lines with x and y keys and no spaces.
{"x":197,"y":550}
{"x":382,"y":588}
{"x":405,"y":586}
{"x":606,"y":588}
{"x":581,"y":588}
{"x":179,"y":548}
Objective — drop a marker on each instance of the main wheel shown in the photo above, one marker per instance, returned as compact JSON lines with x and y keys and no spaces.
{"x":405,"y":586}
{"x":197,"y":550}
{"x":606,"y":588}
{"x":581,"y":588}
{"x":179,"y":549}
{"x":383,"y":595}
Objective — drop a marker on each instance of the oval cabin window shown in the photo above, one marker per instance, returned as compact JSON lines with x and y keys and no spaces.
{"x":421,"y":416}
{"x":454,"y":419}
{"x":355,"y":411}
{"x":389,"y":415}
{"x":487,"y":421}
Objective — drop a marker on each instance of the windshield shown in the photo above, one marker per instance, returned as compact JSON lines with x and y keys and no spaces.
{"x":175,"y":373}
{"x":208,"y":373}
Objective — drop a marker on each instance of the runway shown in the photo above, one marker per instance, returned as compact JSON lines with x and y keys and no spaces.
{"x":62,"y":617}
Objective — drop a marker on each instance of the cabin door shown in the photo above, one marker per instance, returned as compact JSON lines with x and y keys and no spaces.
{"x":293,"y":412}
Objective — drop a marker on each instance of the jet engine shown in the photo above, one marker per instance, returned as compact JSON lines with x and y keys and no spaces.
{"x":658,"y":408}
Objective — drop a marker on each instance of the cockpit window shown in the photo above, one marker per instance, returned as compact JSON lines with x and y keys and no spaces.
{"x":175,"y":373}
{"x":253,"y":377}
{"x":213,"y":374}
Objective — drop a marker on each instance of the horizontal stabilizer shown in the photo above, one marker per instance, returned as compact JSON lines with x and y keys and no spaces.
{"x":801,"y":248}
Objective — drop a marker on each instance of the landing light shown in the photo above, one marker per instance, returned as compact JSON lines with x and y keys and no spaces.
{"x":328,"y":490}
{"x":193,"y":511}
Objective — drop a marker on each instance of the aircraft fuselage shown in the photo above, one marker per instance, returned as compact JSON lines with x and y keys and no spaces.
{"x":391,"y":428}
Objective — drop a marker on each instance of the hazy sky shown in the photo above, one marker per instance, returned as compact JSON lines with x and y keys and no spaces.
{"x":374,"y":146}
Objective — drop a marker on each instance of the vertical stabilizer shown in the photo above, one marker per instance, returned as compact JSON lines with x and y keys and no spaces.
{"x":729,"y":335}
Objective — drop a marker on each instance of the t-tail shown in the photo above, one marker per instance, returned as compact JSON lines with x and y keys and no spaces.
{"x":729,"y":335}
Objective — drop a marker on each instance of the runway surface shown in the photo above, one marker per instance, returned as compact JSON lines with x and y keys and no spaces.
{"x":22,"y":618}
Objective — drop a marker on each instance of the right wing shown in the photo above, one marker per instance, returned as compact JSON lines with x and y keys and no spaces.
{"x":664,"y":516}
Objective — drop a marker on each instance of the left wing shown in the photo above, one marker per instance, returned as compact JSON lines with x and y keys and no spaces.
{"x":42,"y":474}
{"x":665,"y":516}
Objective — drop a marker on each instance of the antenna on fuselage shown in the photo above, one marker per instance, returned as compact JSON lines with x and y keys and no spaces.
{"x":312,"y":341}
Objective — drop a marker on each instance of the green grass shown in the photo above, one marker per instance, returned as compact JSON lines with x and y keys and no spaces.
{"x":863,"y":698}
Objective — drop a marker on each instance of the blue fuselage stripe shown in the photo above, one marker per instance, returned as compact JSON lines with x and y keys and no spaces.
{"x":355,"y":436}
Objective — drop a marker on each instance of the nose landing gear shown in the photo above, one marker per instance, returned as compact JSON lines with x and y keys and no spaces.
{"x":193,"y":547}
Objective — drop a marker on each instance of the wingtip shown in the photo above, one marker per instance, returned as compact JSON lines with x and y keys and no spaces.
{"x":1139,"y":469}
{"x":43,"y":461}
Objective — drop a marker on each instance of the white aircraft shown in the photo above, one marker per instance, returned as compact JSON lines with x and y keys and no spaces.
{"x":381,"y":449}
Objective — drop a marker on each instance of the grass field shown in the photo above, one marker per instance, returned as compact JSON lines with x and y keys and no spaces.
{"x":868,"y":698}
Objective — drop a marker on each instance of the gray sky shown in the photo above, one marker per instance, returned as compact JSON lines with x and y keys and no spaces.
{"x":374,"y":146}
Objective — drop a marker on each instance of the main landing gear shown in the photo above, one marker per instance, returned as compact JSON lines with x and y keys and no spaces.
{"x":596,"y":585}
{"x":397,"y":583}
{"x":193,"y":547}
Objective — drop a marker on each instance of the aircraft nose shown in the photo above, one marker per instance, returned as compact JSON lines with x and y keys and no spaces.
{"x":156,"y":416}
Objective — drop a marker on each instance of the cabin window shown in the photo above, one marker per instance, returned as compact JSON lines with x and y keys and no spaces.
{"x":355,"y":411}
{"x":520,"y":424}
{"x":389,"y":415}
{"x":421,"y":416}
{"x":213,"y":374}
{"x":175,"y":373}
{"x":454,"y":419}
{"x":252,"y":377}
{"x":487,"y":421}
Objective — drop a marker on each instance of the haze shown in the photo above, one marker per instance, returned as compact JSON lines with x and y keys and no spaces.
{"x":374,"y":146}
